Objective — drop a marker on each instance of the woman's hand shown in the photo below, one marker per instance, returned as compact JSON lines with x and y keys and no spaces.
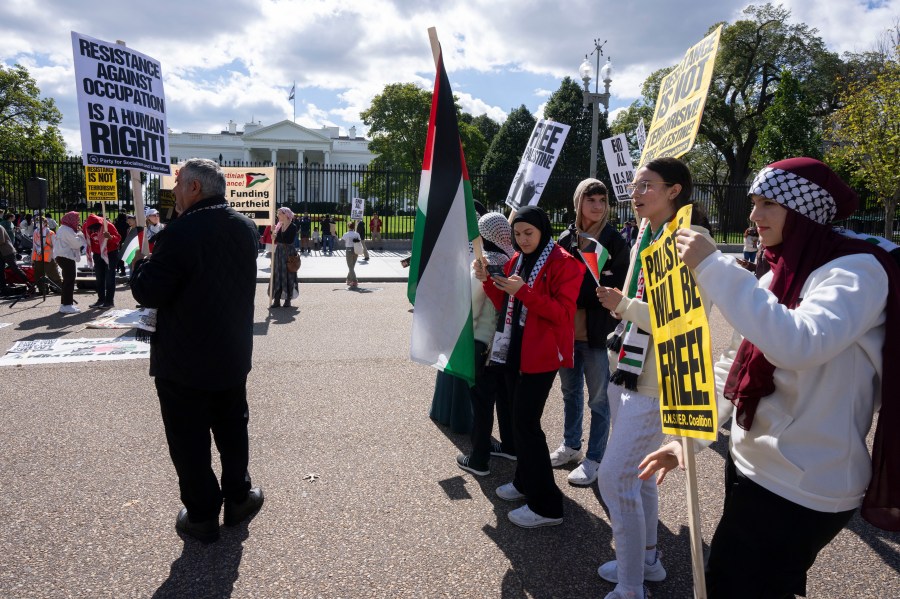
{"x":508,"y":285}
{"x":692,"y":247}
{"x":480,"y":271}
{"x":609,"y":297}
{"x":661,"y":461}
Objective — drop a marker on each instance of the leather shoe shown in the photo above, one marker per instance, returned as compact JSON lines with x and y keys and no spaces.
{"x":236,"y":512}
{"x":206,"y":531}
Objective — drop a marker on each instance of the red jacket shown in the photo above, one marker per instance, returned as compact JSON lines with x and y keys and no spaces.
{"x":548,"y":341}
{"x":94,"y":239}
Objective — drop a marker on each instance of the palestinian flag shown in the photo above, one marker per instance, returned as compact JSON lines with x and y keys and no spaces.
{"x":254,"y":178}
{"x":596,"y":261}
{"x":439,"y":285}
{"x":131,"y":249}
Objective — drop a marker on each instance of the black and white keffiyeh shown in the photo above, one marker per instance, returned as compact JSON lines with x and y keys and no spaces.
{"x":795,"y":193}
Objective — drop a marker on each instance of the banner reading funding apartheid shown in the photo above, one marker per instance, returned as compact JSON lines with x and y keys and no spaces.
{"x":681,"y":339}
{"x":538,"y":160}
{"x":618,"y":161}
{"x":679,"y":105}
{"x":249,"y":189}
{"x":121,"y":105}
{"x":101,"y":184}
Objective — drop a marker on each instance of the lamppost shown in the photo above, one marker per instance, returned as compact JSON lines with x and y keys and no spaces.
{"x":586,"y":70}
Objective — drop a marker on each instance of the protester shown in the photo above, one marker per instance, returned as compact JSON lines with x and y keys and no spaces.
{"x":593,"y":323}
{"x":153,"y":225}
{"x":751,"y":244}
{"x":103,"y":255}
{"x":327,"y":238}
{"x":629,"y":232}
{"x":361,"y":229}
{"x":266,"y":240}
{"x":316,"y":239}
{"x":8,"y":225}
{"x":375,"y":228}
{"x":349,"y":238}
{"x":201,"y":278}
{"x":122,"y":226}
{"x":26,"y":226}
{"x":42,"y":255}
{"x":490,"y":384}
{"x":8,"y":256}
{"x":67,"y":252}
{"x":283,"y":280}
{"x":660,"y":188}
{"x":305,"y":227}
{"x":537,"y":298}
{"x":816,"y":340}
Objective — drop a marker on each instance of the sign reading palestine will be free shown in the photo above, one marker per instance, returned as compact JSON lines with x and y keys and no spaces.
{"x":681,"y":339}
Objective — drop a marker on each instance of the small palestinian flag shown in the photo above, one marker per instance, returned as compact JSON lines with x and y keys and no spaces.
{"x":255,"y":178}
{"x":596,"y":261}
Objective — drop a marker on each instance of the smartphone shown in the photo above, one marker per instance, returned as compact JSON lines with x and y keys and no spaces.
{"x":496,"y":271}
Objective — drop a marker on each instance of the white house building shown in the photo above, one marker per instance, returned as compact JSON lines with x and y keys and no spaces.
{"x":281,"y":143}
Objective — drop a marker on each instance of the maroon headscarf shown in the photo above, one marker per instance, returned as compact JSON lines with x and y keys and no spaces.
{"x":808,"y":245}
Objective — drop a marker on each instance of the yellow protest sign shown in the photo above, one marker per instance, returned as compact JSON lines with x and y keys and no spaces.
{"x":679,"y":105}
{"x":681,"y":339}
{"x":101,"y":184}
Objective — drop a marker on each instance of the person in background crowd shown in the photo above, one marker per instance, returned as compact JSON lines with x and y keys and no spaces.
{"x":375,"y":228}
{"x":629,"y":231}
{"x":817,"y":340}
{"x":8,"y":225}
{"x":8,"y":256}
{"x":26,"y":226}
{"x":316,"y":239}
{"x":103,"y":255}
{"x":122,"y":226}
{"x":305,"y":230}
{"x":537,"y":299}
{"x":751,"y":244}
{"x":42,"y":256}
{"x":490,"y":383}
{"x":51,"y":223}
{"x":593,"y":323}
{"x":660,"y":188}
{"x":201,"y":278}
{"x":153,"y":224}
{"x":67,"y":252}
{"x":361,"y":229}
{"x":327,"y":235}
{"x":283,"y":280}
{"x":349,"y":238}
{"x":266,"y":239}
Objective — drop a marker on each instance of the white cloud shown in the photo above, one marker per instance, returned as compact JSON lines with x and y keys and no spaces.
{"x":543,"y":93}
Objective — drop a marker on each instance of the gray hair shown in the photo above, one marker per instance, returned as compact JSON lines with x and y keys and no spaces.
{"x":207,"y":172}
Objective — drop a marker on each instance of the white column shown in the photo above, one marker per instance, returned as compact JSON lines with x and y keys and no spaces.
{"x":301,"y":193}
{"x":246,"y":155}
{"x":274,"y":156}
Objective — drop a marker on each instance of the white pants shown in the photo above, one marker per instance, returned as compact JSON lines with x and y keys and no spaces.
{"x":633,"y":504}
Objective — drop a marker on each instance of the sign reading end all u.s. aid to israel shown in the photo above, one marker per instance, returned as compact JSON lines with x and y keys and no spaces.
{"x":249,"y":190}
{"x":681,"y":338}
{"x":121,"y":106}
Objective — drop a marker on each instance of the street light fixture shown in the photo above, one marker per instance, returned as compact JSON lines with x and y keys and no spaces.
{"x":586,"y":72}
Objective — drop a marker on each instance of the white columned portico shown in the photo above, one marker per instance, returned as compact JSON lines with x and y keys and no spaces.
{"x":246,"y":155}
{"x":274,"y":152}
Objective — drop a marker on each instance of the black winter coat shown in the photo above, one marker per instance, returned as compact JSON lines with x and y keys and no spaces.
{"x":600,"y":323}
{"x":202,"y":279}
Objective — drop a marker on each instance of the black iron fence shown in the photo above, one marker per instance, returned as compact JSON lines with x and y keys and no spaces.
{"x":392,"y":194}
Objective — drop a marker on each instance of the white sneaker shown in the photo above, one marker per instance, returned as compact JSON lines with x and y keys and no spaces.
{"x":563,"y":455}
{"x":68,"y":309}
{"x":585,"y":474}
{"x":525,"y":518}
{"x":652,"y":572}
{"x":509,"y":492}
{"x":620,"y":594}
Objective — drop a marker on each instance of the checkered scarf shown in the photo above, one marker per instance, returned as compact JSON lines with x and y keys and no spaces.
{"x":795,"y":193}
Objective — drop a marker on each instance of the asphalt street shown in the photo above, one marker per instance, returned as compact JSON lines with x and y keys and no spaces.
{"x":364,"y":498}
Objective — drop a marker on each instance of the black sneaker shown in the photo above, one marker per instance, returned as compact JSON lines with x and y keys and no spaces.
{"x":205,"y":532}
{"x":97,"y":304}
{"x":497,"y":450}
{"x":235,"y":513}
{"x":464,"y":462}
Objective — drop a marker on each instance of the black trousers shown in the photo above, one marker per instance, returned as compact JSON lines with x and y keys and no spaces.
{"x":489,"y":390}
{"x":105,"y":275}
{"x":765,"y":544}
{"x":67,"y":266}
{"x":534,"y":474}
{"x":188,"y":416}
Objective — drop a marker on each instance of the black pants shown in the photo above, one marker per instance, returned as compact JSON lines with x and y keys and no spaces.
{"x":105,"y":276}
{"x":765,"y":544}
{"x":188,"y":416}
{"x":489,"y":389}
{"x":534,"y":474}
{"x":67,"y":266}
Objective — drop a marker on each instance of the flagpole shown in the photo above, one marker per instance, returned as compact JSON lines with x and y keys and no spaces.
{"x":436,"y":53}
{"x":294,"y":93}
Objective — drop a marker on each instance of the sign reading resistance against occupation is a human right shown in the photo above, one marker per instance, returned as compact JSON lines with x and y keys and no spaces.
{"x":681,"y":339}
{"x":121,"y":105}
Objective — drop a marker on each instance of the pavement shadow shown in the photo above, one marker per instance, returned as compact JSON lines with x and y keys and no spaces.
{"x":206,"y":570}
{"x":57,"y":321}
{"x":879,"y":540}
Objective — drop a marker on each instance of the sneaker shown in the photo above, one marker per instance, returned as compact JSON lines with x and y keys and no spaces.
{"x":107,"y":305}
{"x":69,"y":309}
{"x":563,"y":455}
{"x":525,"y":518}
{"x":465,"y":462}
{"x":585,"y":474}
{"x":497,"y":450}
{"x":652,"y":572}
{"x":509,"y":492}
{"x":96,"y":304}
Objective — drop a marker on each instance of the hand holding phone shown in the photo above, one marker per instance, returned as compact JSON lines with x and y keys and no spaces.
{"x":496,"y":271}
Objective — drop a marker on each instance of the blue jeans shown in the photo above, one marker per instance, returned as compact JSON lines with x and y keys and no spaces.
{"x":328,"y":243}
{"x":591,"y":365}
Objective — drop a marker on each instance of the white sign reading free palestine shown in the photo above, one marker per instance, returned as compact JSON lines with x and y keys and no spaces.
{"x":618,"y":161}
{"x":537,"y":163}
{"x":121,"y":105}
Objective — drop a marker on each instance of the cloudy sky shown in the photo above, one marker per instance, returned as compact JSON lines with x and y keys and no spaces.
{"x":237,"y":59}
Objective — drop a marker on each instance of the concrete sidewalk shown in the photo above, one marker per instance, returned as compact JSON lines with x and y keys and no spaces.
{"x":382,"y":267}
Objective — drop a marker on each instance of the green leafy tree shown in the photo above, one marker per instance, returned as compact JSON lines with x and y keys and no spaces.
{"x":488,"y":127}
{"x":503,"y":156}
{"x":865,"y":134}
{"x":790,"y":129}
{"x":29,"y":124}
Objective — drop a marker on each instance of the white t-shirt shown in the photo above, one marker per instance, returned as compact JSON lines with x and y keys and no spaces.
{"x":349,"y":237}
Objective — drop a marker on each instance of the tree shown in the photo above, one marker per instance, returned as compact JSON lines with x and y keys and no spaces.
{"x":790,"y":129}
{"x":865,"y":133}
{"x":488,"y":127}
{"x":502,"y":158}
{"x":566,"y":105}
{"x":29,"y":124}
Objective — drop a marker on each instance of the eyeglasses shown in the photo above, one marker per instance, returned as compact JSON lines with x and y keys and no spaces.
{"x":642,"y":186}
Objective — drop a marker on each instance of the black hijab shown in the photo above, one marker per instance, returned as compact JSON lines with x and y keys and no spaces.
{"x":538,"y":219}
